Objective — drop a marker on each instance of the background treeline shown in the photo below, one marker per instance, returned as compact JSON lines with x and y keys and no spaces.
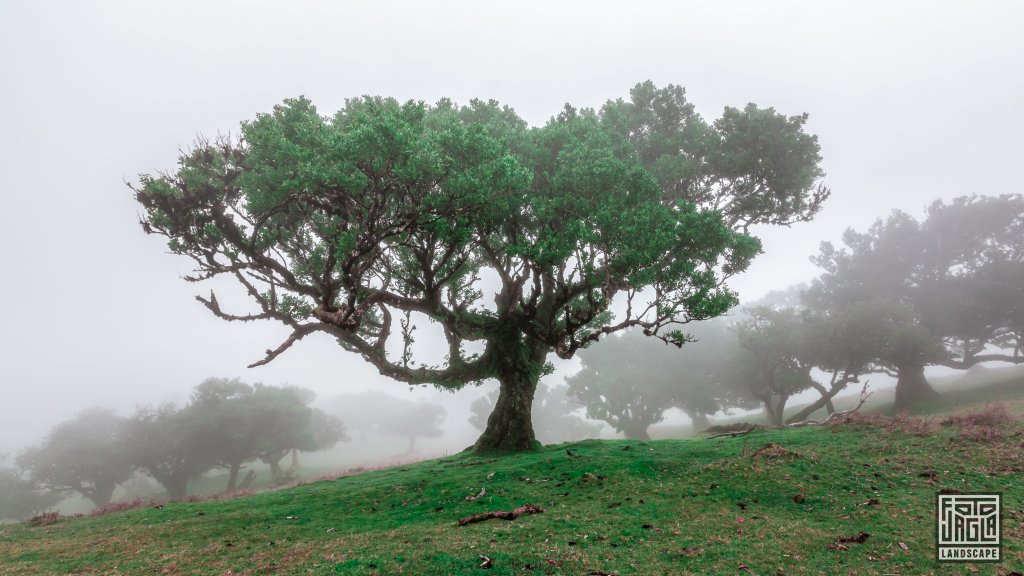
{"x":896,"y":299}
{"x":227,"y":424}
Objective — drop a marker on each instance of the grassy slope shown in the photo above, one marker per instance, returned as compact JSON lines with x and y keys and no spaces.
{"x":710,"y":506}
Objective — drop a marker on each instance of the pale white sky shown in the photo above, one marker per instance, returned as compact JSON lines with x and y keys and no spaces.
{"x":912,"y":101}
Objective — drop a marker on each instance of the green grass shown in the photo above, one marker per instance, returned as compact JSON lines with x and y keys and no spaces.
{"x":619,"y":507}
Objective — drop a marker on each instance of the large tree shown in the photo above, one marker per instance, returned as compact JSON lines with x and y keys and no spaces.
{"x":338,"y":224}
{"x":85,"y":454}
{"x":944,"y":291}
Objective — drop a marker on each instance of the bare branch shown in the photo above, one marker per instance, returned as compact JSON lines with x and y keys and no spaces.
{"x":298,"y":334}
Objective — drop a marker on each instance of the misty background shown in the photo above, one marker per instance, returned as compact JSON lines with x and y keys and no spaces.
{"x":911,"y":102}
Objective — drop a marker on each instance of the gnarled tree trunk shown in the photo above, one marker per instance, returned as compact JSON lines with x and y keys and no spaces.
{"x":912,"y":387}
{"x":276,"y":473}
{"x":509,"y":427}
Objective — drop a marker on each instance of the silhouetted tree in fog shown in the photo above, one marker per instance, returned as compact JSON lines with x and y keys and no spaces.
{"x":947,"y":287}
{"x":362,"y":412}
{"x":770,"y":362}
{"x":244,"y":423}
{"x":630,"y":384}
{"x":86,"y":454}
{"x":21,"y":497}
{"x":414,"y":420}
{"x":171,"y":445}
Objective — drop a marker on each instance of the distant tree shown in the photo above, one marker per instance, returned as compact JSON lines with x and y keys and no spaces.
{"x":630,"y":384}
{"x":623,"y":389}
{"x":554,"y":415}
{"x":85,"y":454}
{"x":286,"y":423}
{"x":842,"y":346}
{"x":220,"y":411}
{"x":361,"y":412}
{"x":770,"y":362}
{"x":337,"y":224}
{"x":170,"y":445}
{"x":245,"y":422}
{"x":21,"y":497}
{"x":373,"y":412}
{"x":945,"y":286}
{"x":414,"y":420}
{"x":327,"y":430}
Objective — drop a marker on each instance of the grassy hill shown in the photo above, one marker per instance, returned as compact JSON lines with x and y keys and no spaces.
{"x":722,"y":506}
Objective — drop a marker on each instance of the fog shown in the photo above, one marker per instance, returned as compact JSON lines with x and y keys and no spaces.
{"x":911,"y":102}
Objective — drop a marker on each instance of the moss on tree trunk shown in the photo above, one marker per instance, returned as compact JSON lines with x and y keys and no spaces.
{"x":518,"y":366}
{"x":510,"y":427}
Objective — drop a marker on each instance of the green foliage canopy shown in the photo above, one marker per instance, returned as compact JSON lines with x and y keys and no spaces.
{"x":336,"y":224}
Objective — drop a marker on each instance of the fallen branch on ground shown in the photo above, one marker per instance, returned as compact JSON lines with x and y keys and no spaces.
{"x":733,"y":434}
{"x":503,"y":515}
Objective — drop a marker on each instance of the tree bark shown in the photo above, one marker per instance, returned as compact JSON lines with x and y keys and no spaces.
{"x":912,"y":388}
{"x":510,"y":427}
